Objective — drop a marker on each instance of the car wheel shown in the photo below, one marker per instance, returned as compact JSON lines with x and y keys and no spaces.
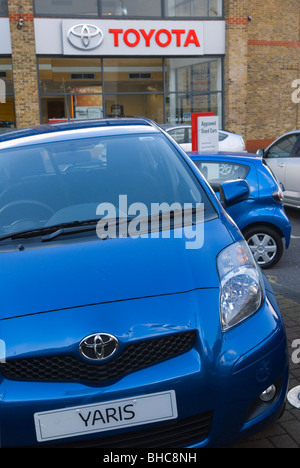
{"x":265,"y":244}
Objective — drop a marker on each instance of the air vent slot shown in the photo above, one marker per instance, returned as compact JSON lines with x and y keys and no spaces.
{"x":140,"y":76}
{"x":82,"y":76}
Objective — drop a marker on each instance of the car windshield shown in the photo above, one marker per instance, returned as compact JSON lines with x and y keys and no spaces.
{"x":64,"y":182}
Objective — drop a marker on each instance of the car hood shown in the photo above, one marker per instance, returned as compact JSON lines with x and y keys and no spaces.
{"x":64,"y":275}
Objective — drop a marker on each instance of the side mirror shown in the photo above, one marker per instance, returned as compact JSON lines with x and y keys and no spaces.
{"x":233,"y":192}
{"x":260,"y":152}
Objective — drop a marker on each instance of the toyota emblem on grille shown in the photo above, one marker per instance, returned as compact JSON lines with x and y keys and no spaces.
{"x":98,"y":346}
{"x":85,"y":36}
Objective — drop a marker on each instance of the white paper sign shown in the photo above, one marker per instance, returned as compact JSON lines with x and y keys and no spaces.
{"x":208,"y":133}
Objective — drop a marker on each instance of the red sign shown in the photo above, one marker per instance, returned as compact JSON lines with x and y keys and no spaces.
{"x":194,"y":120}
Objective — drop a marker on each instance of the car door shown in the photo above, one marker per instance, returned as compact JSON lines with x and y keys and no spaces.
{"x":292,"y":176}
{"x":283,"y":157}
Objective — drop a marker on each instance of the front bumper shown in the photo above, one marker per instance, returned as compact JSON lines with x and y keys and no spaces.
{"x":217,"y":384}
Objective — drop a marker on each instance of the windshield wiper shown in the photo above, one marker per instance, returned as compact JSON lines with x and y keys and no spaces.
{"x":115,"y":227}
{"x":50,"y":232}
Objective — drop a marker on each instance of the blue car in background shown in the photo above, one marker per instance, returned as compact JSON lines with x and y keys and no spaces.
{"x":261,"y":216}
{"x":133,"y":313}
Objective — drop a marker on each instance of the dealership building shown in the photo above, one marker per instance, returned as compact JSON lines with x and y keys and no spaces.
{"x":161,"y":59}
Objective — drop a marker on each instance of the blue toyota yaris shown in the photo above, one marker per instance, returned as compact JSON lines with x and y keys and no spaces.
{"x":132,"y":312}
{"x":261,"y":216}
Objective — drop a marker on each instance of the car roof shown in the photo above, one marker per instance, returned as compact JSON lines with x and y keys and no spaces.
{"x":175,"y":125}
{"x":292,"y":132}
{"x":74,"y":130}
{"x":225,"y":155}
{"x":185,"y":125}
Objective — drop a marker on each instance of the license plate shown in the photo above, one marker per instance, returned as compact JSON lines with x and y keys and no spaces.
{"x":99,"y":417}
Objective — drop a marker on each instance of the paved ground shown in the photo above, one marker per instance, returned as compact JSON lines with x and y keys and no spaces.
{"x":285,"y":433}
{"x":286,"y":274}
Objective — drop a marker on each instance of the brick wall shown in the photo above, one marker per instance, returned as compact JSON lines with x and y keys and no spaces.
{"x":236,"y":64}
{"x":24,"y":64}
{"x":263,"y":59}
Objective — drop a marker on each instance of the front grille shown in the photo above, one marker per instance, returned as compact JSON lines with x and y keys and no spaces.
{"x":174,"y":434}
{"x":69,"y":369}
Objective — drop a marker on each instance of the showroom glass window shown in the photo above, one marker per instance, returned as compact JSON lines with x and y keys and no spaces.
{"x":130,"y":8}
{"x":194,"y":8}
{"x":192,"y":85}
{"x":64,"y":8}
{"x":134,"y":87}
{"x":104,"y":8}
{"x":166,"y":90}
{"x":7,"y":109}
{"x":70,"y":87}
{"x":3,"y":8}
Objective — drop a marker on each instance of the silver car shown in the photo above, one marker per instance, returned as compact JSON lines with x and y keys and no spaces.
{"x":283,"y":158}
{"x":182,"y":134}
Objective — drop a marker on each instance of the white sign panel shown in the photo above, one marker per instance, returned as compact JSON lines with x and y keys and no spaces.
{"x":208,"y":133}
{"x":2,"y":97}
{"x":57,"y":36}
{"x":107,"y":37}
{"x":5,"y":42}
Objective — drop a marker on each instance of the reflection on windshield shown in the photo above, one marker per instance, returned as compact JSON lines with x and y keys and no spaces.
{"x":66,"y":181}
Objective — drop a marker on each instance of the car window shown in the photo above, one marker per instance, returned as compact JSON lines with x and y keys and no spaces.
{"x":217,"y":172}
{"x":222,"y":136}
{"x":295,"y":153}
{"x":283,"y":148}
{"x":57,"y":182}
{"x":189,"y":135}
{"x":179,"y":135}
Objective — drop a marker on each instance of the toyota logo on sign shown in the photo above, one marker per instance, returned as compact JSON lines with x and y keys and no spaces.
{"x":85,"y":36}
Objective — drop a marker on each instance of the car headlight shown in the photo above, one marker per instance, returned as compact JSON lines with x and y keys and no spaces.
{"x":241,"y":292}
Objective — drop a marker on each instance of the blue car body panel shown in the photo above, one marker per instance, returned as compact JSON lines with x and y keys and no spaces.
{"x":72,"y":275}
{"x":217,"y":372}
{"x":55,"y":294}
